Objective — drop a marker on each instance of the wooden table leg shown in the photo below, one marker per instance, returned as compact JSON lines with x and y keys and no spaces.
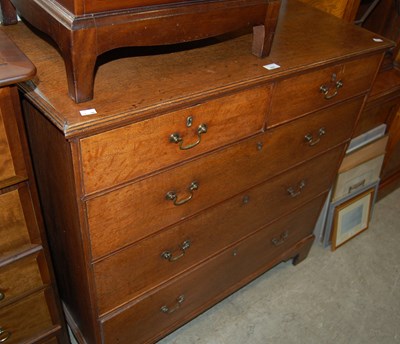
{"x":79,"y":52}
{"x":263,"y":35}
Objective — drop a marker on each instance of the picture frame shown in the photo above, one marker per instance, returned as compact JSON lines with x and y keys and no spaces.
{"x":352,"y":218}
{"x":328,"y":225}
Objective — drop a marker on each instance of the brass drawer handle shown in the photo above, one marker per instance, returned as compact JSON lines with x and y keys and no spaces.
{"x":325,"y":90}
{"x":281,"y":239}
{"x":294,"y":192}
{"x":310,"y":139}
{"x":172,"y":196}
{"x":2,"y":296}
{"x":167,"y":255}
{"x":176,"y":138}
{"x":4,"y":335}
{"x":167,"y":310}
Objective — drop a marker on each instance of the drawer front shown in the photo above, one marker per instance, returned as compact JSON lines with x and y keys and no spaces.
{"x":92,"y":6}
{"x":125,"y":153}
{"x":156,"y":259}
{"x":178,"y":301}
{"x":297,"y":96}
{"x":20,"y":277}
{"x":26,"y":319}
{"x":7,"y":170}
{"x":12,"y":165}
{"x":53,"y":340}
{"x":219,"y":176}
{"x":107,"y":5}
{"x":371,"y":117}
{"x":16,"y":209}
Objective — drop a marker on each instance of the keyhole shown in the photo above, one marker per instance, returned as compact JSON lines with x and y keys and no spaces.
{"x":189,"y":121}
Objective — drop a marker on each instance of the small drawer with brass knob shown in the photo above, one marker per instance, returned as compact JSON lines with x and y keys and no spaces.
{"x":4,"y":335}
{"x":21,"y":276}
{"x":25,"y":319}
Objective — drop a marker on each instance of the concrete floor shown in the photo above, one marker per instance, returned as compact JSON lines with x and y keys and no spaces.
{"x":348,"y":296}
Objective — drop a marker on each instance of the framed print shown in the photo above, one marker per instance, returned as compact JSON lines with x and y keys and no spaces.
{"x":351,"y":218}
{"x":330,"y":216}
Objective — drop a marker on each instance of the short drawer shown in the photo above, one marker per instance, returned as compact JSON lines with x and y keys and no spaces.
{"x":21,"y":277}
{"x":218,"y":176}
{"x":16,"y":220}
{"x":305,"y":93}
{"x":125,"y":153}
{"x":181,"y":299}
{"x":25,"y":319}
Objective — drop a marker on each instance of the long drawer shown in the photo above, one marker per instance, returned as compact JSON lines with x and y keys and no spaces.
{"x":122,"y":154}
{"x":216,"y":177}
{"x":299,"y":95}
{"x":178,"y":300}
{"x":26,"y":319}
{"x":158,"y":258}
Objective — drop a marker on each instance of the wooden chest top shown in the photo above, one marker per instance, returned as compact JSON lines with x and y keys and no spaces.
{"x":145,"y":82}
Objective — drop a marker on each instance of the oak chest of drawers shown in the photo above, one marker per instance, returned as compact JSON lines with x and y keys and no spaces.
{"x":196,"y":176}
{"x":29,"y":310}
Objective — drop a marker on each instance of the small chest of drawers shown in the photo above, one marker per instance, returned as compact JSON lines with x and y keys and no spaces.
{"x":29,"y":307}
{"x":193,"y":180}
{"x":85,"y":29}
